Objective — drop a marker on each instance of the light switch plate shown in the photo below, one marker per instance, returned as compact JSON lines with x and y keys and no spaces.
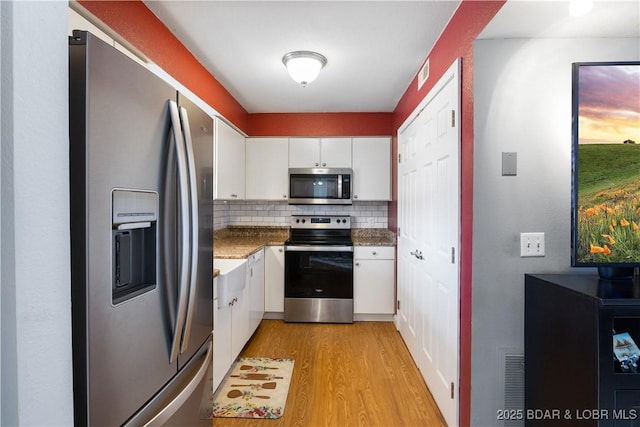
{"x":532,"y":244}
{"x":509,"y":164}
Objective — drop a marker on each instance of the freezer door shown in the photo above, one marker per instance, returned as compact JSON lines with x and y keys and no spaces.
{"x":198,"y":131}
{"x":119,"y":142}
{"x":187,"y":401}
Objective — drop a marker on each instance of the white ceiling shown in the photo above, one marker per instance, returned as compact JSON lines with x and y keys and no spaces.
{"x":374,"y":48}
{"x":545,"y":18}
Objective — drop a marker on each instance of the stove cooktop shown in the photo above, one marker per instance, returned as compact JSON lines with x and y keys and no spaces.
{"x":320,"y":230}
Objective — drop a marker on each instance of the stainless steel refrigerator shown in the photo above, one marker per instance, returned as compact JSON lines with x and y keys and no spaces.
{"x":141,"y":165}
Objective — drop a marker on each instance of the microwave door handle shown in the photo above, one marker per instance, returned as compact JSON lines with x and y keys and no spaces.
{"x":183,"y":204}
{"x":339,"y":186}
{"x":193,"y":247}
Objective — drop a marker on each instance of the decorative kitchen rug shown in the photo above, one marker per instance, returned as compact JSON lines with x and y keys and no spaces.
{"x":255,"y":387}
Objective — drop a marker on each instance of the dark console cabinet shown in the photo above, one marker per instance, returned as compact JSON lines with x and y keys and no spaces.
{"x":572,"y":376}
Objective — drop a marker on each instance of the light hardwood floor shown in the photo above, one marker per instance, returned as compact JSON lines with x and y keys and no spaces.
{"x":359,"y":374}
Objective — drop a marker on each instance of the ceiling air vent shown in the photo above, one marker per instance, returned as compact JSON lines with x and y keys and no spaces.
{"x":423,"y":74}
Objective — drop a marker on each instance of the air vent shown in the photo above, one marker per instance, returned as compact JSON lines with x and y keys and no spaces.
{"x":423,"y":74}
{"x":512,"y":385}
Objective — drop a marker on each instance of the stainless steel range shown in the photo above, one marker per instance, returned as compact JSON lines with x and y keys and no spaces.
{"x":318,"y":263}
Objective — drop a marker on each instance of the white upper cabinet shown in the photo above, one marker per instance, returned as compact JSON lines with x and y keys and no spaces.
{"x":320,"y":152}
{"x":372,"y":169}
{"x":267,"y":169}
{"x":304,"y":152}
{"x":229,"y":158}
{"x":335,"y":152}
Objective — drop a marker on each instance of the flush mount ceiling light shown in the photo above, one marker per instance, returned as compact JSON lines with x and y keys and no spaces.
{"x":304,"y":66}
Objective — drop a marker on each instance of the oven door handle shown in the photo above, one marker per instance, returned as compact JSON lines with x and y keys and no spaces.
{"x":318,"y":248}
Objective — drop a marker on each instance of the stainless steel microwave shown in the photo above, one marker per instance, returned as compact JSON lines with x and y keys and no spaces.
{"x":320,"y":186}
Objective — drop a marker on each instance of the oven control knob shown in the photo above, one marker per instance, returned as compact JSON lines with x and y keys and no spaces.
{"x":304,"y":220}
{"x":344,"y":221}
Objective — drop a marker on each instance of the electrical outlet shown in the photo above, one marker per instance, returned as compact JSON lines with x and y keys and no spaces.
{"x":531,"y":244}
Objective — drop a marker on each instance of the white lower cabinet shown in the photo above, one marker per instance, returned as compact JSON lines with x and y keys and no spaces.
{"x":239,"y":323}
{"x":222,"y":342}
{"x":274,"y":279}
{"x":236,"y":318}
{"x":231,"y":317}
{"x":231,"y":330}
{"x":255,"y":284}
{"x":373,"y":280}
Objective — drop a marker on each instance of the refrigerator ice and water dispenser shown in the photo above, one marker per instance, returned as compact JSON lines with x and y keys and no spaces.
{"x":134,"y":227}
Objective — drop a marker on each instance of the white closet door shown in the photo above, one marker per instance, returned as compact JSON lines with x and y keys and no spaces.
{"x":428,"y":244}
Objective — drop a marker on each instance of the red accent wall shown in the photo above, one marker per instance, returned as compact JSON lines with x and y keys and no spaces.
{"x":456,"y":41}
{"x":320,"y":124}
{"x":134,"y":22}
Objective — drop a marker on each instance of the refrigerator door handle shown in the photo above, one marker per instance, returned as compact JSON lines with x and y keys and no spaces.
{"x":183,"y":203}
{"x":194,"y":243}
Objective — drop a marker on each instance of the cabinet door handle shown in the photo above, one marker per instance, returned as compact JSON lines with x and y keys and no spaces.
{"x":284,"y":196}
{"x":317,"y":164}
{"x":324,"y":164}
{"x":280,"y":250}
{"x":374,"y":253}
{"x":357,"y":264}
{"x":355,"y":196}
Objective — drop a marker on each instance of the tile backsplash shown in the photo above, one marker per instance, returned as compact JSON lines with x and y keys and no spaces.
{"x":277,"y":213}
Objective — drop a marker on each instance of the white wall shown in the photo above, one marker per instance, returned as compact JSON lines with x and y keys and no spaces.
{"x":34,"y":268}
{"x":522,"y":103}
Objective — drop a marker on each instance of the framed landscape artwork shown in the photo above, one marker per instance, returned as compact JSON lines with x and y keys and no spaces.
{"x":606,"y":164}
